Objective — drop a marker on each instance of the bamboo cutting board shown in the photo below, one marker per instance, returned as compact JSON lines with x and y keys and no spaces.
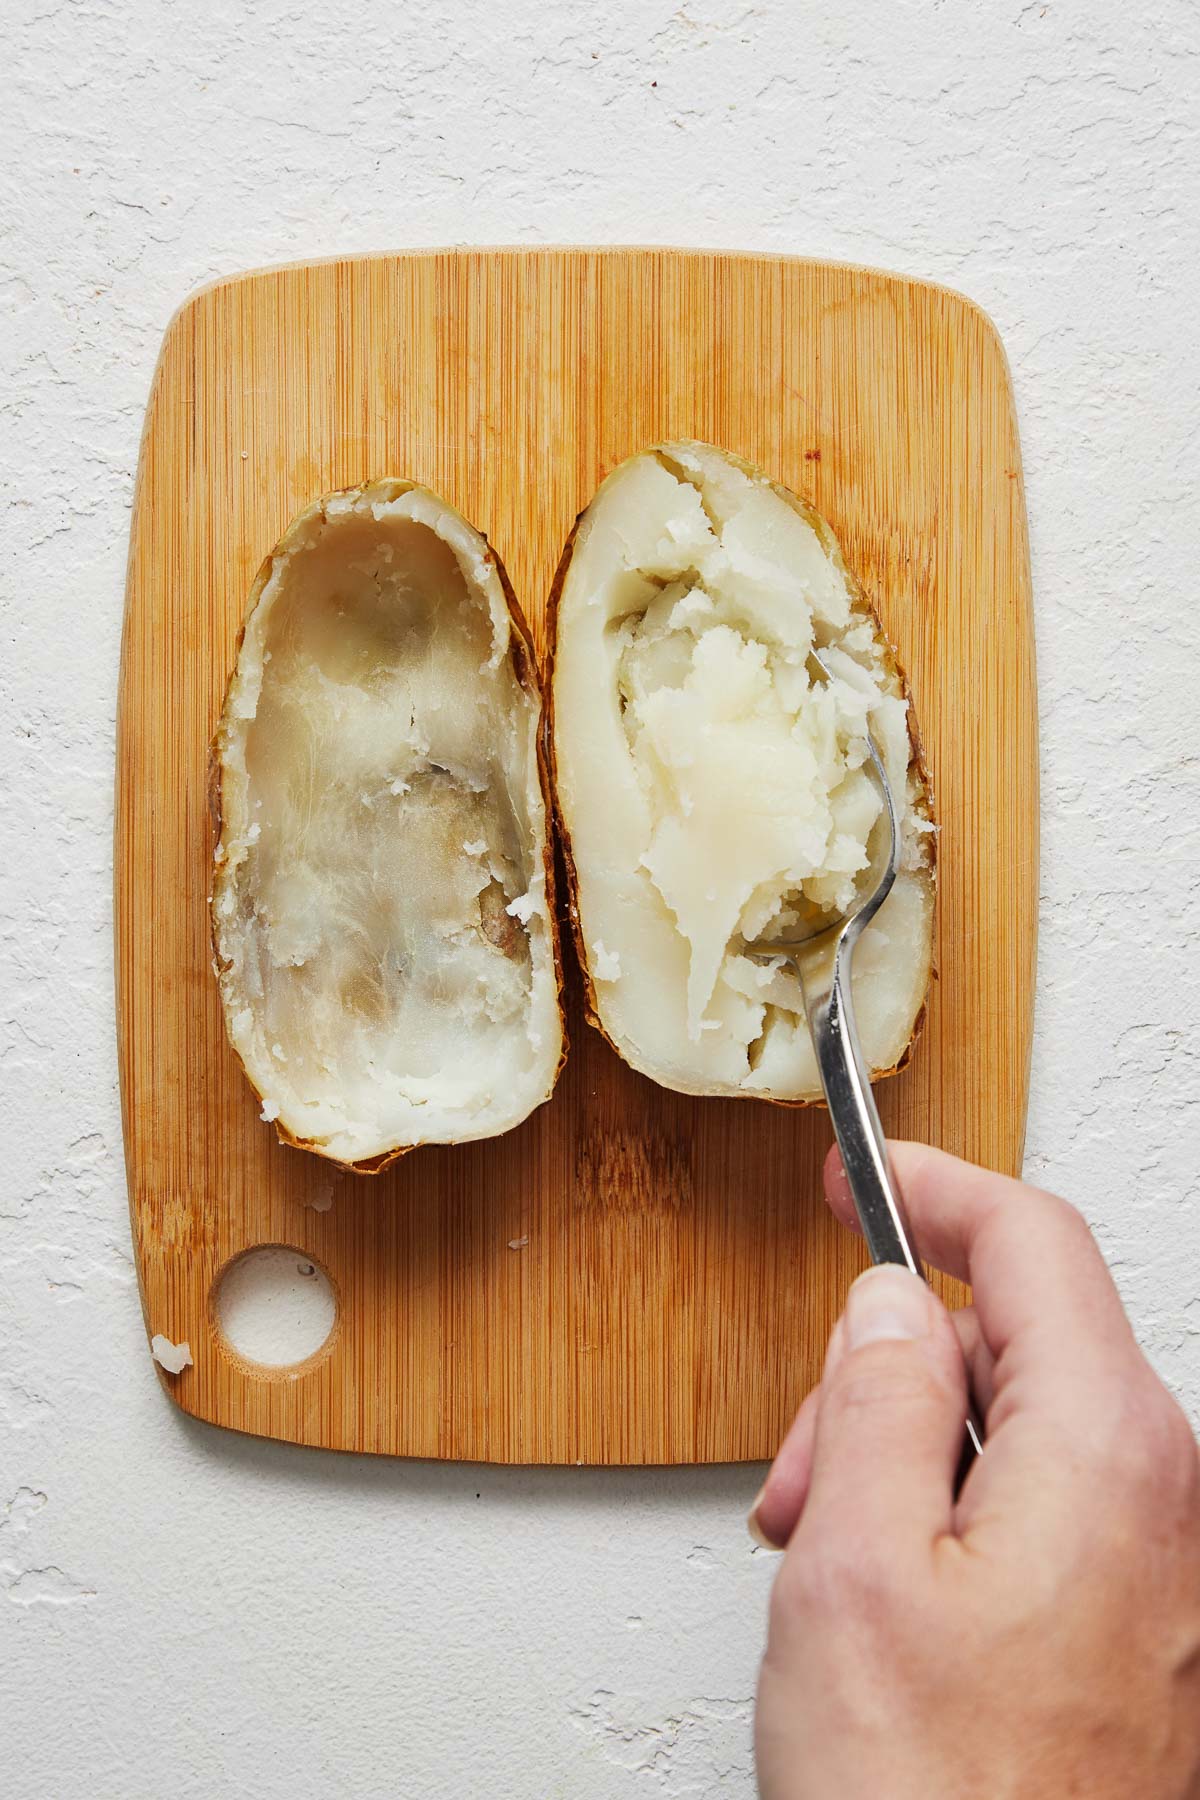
{"x":675,"y":1273}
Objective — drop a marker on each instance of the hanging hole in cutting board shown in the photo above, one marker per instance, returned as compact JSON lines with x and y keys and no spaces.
{"x":275,"y":1307}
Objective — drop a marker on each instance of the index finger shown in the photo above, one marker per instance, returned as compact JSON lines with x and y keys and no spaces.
{"x":1028,"y":1254}
{"x":1048,"y":1309}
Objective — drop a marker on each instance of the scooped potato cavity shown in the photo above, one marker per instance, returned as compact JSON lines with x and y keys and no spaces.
{"x":382,"y":907}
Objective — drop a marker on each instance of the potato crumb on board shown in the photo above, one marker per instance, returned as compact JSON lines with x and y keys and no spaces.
{"x":321,"y":1198}
{"x":174,"y":1358}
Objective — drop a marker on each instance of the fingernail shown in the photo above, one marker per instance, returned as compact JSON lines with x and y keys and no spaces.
{"x":759,"y":1535}
{"x":754,"y":1528}
{"x":752,"y":1525}
{"x":886,"y":1304}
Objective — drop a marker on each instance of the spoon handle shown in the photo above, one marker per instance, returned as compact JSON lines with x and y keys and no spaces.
{"x":856,"y":1123}
{"x":877,"y":1199}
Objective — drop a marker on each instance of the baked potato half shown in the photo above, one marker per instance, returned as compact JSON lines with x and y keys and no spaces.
{"x":383,"y":898}
{"x":710,"y":784}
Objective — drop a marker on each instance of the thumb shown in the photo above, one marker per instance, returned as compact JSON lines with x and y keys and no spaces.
{"x":890,"y":1425}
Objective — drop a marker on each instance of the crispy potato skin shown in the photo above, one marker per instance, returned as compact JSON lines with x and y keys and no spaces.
{"x":525,"y":667}
{"x":861,"y":604}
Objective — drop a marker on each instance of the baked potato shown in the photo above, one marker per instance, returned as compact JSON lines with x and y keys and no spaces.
{"x":382,"y":908}
{"x":710,"y":783}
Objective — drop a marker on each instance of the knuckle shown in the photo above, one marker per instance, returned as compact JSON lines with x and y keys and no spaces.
{"x":1039,"y":1217}
{"x":1181,"y":1446}
{"x":1148,"y":1438}
{"x":1045,"y":1208}
{"x":1169,"y":1447}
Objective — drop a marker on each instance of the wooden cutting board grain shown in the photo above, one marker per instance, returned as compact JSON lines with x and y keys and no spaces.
{"x":633,"y":1276}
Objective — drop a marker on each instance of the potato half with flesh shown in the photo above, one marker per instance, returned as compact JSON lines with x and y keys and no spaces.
{"x":711,"y":785}
{"x":383,"y":908}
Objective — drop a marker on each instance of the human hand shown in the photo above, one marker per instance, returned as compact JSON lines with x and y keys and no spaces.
{"x":1040,"y":1635}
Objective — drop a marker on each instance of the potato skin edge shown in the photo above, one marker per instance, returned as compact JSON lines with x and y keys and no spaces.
{"x":525,"y":667}
{"x":860,"y":602}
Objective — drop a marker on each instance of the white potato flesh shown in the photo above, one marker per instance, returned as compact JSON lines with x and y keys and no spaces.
{"x":381,"y":915}
{"x":711,"y":782}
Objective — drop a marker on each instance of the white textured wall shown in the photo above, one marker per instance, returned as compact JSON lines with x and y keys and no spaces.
{"x":186,"y":1613}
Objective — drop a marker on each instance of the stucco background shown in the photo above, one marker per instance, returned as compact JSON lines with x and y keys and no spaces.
{"x":187,"y":1613}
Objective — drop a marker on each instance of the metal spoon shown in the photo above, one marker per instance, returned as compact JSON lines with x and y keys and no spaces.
{"x":822,"y":960}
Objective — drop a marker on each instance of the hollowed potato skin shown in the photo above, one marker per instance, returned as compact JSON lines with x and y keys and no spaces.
{"x":522,"y":658}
